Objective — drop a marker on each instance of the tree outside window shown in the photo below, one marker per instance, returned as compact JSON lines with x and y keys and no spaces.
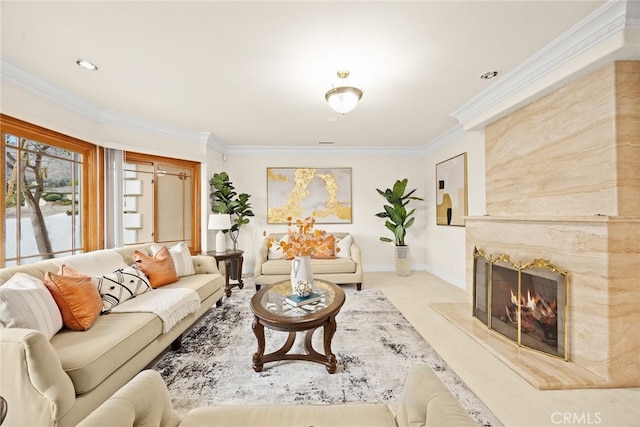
{"x":44,"y":193}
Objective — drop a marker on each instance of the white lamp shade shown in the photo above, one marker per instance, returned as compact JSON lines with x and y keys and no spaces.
{"x":219,"y":222}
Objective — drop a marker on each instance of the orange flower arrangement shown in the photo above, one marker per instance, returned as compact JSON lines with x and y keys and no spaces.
{"x":303,"y":239}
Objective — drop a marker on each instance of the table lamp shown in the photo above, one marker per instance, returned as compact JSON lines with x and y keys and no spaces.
{"x":219,"y":222}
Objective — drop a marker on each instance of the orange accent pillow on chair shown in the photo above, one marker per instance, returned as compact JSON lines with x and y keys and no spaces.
{"x":326,"y":249}
{"x":159,"y":268}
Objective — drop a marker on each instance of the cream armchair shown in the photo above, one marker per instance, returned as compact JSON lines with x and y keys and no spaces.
{"x":340,"y":270}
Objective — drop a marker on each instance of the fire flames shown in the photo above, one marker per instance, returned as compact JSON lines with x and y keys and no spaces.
{"x":535,"y":310}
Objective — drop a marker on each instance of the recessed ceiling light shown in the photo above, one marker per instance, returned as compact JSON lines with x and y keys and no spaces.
{"x":489,"y":75}
{"x":86,"y":65}
{"x":332,"y":119}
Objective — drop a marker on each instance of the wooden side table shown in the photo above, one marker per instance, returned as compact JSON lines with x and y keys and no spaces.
{"x":228,"y":257}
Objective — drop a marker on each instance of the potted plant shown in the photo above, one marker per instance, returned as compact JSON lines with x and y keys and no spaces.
{"x":398,"y":220}
{"x":225,"y":200}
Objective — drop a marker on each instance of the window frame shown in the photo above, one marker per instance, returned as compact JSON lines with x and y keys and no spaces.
{"x":91,"y":203}
{"x":150,"y":159}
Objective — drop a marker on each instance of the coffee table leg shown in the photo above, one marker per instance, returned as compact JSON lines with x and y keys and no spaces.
{"x":329,"y":331}
{"x":258,"y":330}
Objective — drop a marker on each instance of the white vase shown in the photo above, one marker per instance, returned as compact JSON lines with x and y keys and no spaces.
{"x":301,"y":270}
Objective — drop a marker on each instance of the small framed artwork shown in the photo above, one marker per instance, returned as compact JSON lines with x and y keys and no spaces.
{"x":301,"y":192}
{"x":451,"y":191}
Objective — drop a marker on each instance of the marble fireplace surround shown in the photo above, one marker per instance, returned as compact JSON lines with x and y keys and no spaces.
{"x":562,"y":184}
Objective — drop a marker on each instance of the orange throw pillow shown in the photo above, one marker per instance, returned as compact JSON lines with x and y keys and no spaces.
{"x":159,"y":268}
{"x":76,"y":296}
{"x":326,"y":249}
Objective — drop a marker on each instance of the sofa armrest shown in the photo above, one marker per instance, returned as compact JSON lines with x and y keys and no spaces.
{"x":426,"y":401}
{"x":261,"y":258}
{"x":205,"y":264}
{"x":37,"y":390}
{"x":143,"y":401}
{"x":356,"y":256}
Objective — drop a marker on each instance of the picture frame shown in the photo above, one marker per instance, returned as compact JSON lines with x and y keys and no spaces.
{"x":451,"y":191}
{"x":302,"y":192}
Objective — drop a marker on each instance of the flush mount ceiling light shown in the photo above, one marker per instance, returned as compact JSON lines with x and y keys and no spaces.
{"x":343,"y":98}
{"x":86,"y":65}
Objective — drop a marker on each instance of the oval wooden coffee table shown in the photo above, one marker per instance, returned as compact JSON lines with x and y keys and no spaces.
{"x":271,"y":311}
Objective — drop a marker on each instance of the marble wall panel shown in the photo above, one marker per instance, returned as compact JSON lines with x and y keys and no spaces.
{"x":556,"y":156}
{"x":628,"y":136}
{"x":624,"y":297}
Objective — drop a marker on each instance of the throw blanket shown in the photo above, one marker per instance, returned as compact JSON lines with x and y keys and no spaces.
{"x":169,"y":304}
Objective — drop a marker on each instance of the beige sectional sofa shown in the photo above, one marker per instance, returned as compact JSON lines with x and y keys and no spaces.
{"x":61,"y":380}
{"x":425,"y":401}
{"x":339,"y":270}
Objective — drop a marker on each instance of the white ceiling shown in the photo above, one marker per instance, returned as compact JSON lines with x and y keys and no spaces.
{"x":255,"y":73}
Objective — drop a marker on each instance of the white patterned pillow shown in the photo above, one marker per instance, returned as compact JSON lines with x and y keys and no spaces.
{"x":343,"y":246}
{"x":181,"y":256}
{"x":275,"y":251}
{"x":121,"y":285}
{"x":25,"y":302}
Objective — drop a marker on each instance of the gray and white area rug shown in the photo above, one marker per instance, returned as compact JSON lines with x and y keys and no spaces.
{"x":375,"y":346}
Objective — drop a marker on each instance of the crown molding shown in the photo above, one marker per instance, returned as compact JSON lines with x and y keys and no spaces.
{"x":608,"y":20}
{"x":213,"y":141}
{"x":444,"y":139}
{"x":43,"y":88}
{"x":329,"y":151}
{"x":117,"y":118}
{"x":31,"y":82}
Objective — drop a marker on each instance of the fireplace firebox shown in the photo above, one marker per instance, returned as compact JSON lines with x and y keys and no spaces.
{"x":524,"y":302}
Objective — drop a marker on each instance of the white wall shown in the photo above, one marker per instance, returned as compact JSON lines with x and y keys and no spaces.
{"x":368,"y":172}
{"x":445,"y":249}
{"x":438,"y":249}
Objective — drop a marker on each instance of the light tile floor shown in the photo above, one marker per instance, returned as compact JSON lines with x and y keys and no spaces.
{"x":513,"y":400}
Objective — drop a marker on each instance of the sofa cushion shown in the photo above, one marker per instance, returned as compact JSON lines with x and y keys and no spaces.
{"x":94,"y":263}
{"x":112,"y":340}
{"x":25,"y":302}
{"x":121,"y":285}
{"x":76,"y":296}
{"x":159,"y":268}
{"x":352,"y":415}
{"x":181,"y":256}
{"x":204,"y":284}
{"x":319,"y":266}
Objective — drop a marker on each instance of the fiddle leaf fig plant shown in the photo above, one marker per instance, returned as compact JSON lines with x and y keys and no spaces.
{"x":225,"y":200}
{"x":399,"y":219}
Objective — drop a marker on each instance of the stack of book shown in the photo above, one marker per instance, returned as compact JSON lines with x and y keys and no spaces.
{"x":297,"y":300}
